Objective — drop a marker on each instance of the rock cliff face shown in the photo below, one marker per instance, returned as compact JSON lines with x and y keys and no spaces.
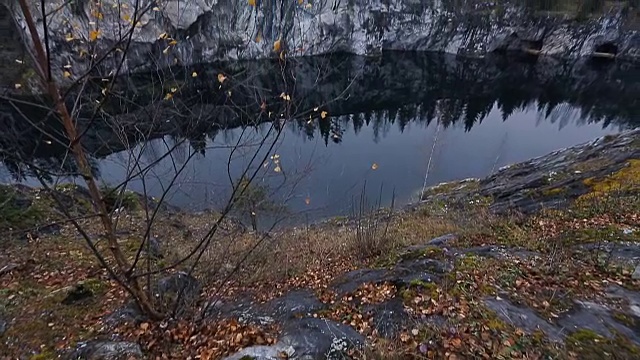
{"x":187,"y":32}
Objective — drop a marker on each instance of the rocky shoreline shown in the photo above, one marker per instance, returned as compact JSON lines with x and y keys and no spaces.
{"x":549,"y":181}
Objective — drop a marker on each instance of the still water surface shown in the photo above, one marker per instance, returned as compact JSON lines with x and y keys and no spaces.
{"x":395,"y":123}
{"x":321,"y":179}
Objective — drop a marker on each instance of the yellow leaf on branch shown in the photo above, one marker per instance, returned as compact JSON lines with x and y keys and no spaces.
{"x":97,"y":14}
{"x":277,"y":45}
{"x":252,"y":2}
{"x":93,"y":35}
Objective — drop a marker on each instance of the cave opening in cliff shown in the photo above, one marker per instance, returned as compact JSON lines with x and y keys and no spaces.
{"x":606,"y":50}
{"x":533,"y":47}
{"x":604,"y":54}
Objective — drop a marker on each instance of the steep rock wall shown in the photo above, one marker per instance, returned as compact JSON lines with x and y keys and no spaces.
{"x":183,"y":32}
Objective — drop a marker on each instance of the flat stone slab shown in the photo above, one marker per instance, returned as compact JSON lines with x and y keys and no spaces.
{"x":349,"y":282}
{"x":632,"y":298}
{"x":585,"y":315}
{"x":402,"y":274}
{"x":314,"y":338}
{"x":522,"y":317}
{"x":494,"y":251}
{"x":431,"y":265}
{"x":440,"y":241}
{"x":309,"y":339}
{"x":293,"y":304}
{"x":619,"y":251}
{"x":389,"y":317}
{"x":597,"y":318}
{"x":263,"y":352}
{"x":106,"y":350}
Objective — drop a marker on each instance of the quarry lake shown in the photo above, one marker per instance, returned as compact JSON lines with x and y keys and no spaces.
{"x":318,"y":132}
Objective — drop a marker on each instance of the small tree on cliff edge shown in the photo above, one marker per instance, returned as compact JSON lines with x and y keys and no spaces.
{"x":125,"y":269}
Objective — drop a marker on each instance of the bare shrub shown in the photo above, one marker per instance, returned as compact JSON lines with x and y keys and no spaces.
{"x":371,"y":225}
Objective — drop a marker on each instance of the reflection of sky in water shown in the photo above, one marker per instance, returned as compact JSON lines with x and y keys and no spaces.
{"x":328,"y":177}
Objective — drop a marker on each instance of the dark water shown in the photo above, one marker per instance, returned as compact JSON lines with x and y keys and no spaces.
{"x":395,"y":123}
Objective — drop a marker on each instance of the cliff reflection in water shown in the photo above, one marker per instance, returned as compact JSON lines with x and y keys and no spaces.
{"x":378,"y":94}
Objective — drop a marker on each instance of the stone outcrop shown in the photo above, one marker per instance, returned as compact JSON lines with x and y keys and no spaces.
{"x":208,"y":30}
{"x":552,"y":180}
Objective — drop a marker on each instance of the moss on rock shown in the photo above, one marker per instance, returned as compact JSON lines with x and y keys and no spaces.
{"x":625,"y":179}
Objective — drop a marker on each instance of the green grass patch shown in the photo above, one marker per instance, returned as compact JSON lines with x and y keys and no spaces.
{"x":18,"y":210}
